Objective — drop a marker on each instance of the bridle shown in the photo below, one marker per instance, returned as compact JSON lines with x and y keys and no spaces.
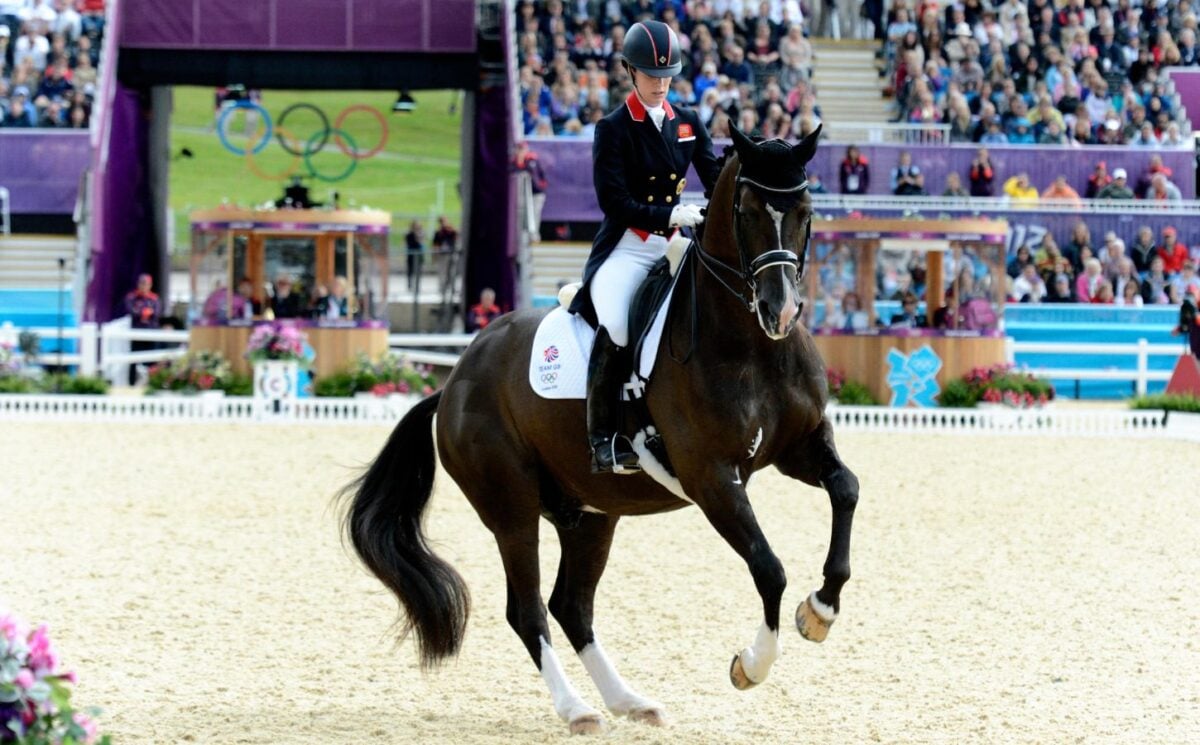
{"x":751,"y":268}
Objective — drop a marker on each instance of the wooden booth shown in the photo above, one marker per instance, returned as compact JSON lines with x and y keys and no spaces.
{"x":242,"y":259}
{"x":960,"y":338}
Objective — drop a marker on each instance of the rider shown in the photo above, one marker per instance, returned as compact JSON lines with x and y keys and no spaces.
{"x":640,"y":157}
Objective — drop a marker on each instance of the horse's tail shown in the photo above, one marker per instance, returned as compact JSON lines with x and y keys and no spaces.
{"x":384,"y":524}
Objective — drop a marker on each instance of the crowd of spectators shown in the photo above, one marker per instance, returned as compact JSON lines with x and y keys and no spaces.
{"x":1080,"y":72}
{"x":49,"y":53}
{"x":747,"y":63}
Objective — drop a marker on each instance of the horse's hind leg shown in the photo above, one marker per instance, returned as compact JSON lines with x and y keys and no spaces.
{"x":584,"y":556}
{"x":815,"y":461}
{"x":527,"y":615}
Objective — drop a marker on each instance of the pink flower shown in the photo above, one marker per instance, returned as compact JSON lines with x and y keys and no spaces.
{"x":24,"y":679}
{"x":12,"y":629}
{"x":428,"y":389}
{"x":402,"y":387}
{"x":90,"y":729}
{"x":42,"y":658}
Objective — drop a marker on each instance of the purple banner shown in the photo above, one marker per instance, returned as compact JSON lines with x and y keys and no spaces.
{"x":571,"y":197}
{"x":41,"y":169}
{"x":1187,"y":85}
{"x":302,"y":25}
{"x":297,"y":226}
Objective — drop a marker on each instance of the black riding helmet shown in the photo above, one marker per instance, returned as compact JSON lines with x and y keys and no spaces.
{"x":653,"y":48}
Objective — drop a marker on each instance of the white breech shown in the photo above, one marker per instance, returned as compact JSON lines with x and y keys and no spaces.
{"x":618,"y":278}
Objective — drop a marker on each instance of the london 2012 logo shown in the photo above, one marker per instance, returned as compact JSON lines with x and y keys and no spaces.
{"x":551,"y":354}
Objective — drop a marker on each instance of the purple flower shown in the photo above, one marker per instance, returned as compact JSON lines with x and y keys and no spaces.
{"x":42,"y":659}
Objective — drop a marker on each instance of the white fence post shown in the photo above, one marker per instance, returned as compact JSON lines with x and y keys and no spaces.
{"x":87,"y":348}
{"x":1143,"y":365}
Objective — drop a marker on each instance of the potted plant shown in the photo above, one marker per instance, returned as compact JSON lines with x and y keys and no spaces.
{"x":278,"y":352}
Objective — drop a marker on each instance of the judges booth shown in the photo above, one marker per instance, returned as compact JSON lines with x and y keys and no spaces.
{"x":334,"y":262}
{"x":964,"y":287}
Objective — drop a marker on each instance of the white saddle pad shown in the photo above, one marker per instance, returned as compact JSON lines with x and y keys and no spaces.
{"x":559,"y":359}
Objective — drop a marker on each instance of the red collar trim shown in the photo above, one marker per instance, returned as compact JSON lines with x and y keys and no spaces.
{"x":637,"y":110}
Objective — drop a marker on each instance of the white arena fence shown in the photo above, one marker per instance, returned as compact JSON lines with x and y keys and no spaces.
{"x":106,"y":350}
{"x":386,"y":411}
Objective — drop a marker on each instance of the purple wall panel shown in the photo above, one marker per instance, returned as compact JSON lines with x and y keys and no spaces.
{"x":234,"y":24}
{"x":41,"y":169}
{"x":1187,"y":85}
{"x":374,"y":25}
{"x":169,"y":25}
{"x":400,"y":23}
{"x":571,"y":198}
{"x":314,"y":23}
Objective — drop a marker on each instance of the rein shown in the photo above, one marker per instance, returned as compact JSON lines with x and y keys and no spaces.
{"x":751,"y":269}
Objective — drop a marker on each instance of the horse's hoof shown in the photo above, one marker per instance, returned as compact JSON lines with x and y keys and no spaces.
{"x":651,"y":715}
{"x":737,"y":675}
{"x":587,"y":724}
{"x":810,"y":624}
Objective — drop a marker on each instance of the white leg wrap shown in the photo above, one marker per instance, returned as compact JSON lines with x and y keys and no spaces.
{"x":618,"y":696}
{"x":567,"y":702}
{"x":757,"y":660}
{"x":826,"y":612}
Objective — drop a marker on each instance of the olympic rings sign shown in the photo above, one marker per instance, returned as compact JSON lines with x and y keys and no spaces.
{"x":310,"y":146}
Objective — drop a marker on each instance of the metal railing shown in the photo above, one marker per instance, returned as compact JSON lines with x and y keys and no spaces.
{"x":985,"y":205}
{"x":859,"y":133}
{"x":1140,"y":376}
{"x":5,"y":213}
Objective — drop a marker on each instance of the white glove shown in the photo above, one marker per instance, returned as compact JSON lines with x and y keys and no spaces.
{"x":686,"y":216}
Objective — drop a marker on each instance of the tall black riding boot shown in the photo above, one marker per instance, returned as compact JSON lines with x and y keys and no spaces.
{"x":611,"y":452}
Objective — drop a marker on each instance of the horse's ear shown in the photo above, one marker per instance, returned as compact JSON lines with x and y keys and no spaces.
{"x":741,"y":143}
{"x":806,"y":148}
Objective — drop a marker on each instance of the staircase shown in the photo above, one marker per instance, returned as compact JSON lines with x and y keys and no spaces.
{"x":554,"y":263}
{"x":848,"y":87}
{"x":31,"y":261}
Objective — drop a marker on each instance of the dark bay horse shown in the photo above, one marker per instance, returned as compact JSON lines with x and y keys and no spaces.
{"x":737,"y":387}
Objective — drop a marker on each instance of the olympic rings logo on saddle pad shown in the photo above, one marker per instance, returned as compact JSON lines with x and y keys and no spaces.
{"x":310,"y":146}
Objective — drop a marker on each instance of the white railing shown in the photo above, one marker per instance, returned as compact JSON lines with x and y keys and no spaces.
{"x":405,"y":346}
{"x":985,"y":205}
{"x":116,"y":353}
{"x":85,"y":334}
{"x":386,"y":411}
{"x":1140,"y":376}
{"x":895,"y":132}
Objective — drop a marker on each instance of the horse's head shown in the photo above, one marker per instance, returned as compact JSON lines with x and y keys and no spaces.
{"x":772,"y":209}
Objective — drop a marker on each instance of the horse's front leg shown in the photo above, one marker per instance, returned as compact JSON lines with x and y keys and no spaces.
{"x":815,"y":461}
{"x":722,"y":497}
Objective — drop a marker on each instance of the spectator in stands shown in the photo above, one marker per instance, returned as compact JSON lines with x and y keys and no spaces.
{"x":954,"y":187}
{"x":1129,"y":295}
{"x":1110,"y":257}
{"x":1060,"y":291}
{"x":908,"y":317}
{"x":143,"y":307}
{"x":1028,"y":287}
{"x":1080,"y":241}
{"x":527,"y":160}
{"x":907,"y":179}
{"x":1143,"y":250}
{"x":1117,"y":188}
{"x":1186,"y":282}
{"x":795,"y":56}
{"x":1022,"y":259}
{"x":815,"y":184}
{"x":284,"y":302}
{"x":483,"y":312}
{"x":854,"y":175}
{"x":1161,"y":189}
{"x":1099,"y":179}
{"x":981,"y":174}
{"x":1155,"y":283}
{"x":1125,"y":276}
{"x":1060,"y":191}
{"x":1146,"y":137}
{"x":1087,"y":284}
{"x":1104,"y":293}
{"x":1172,"y":252}
{"x":18,"y":112}
{"x":333,"y":304}
{"x":246,"y":307}
{"x":1020,"y":191}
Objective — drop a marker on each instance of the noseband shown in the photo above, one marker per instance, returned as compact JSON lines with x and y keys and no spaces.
{"x":750,"y":268}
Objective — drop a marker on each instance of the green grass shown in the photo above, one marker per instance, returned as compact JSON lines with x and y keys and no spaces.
{"x":423,"y":148}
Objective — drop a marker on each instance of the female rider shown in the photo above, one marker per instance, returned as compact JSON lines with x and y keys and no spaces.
{"x":640,"y":157}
